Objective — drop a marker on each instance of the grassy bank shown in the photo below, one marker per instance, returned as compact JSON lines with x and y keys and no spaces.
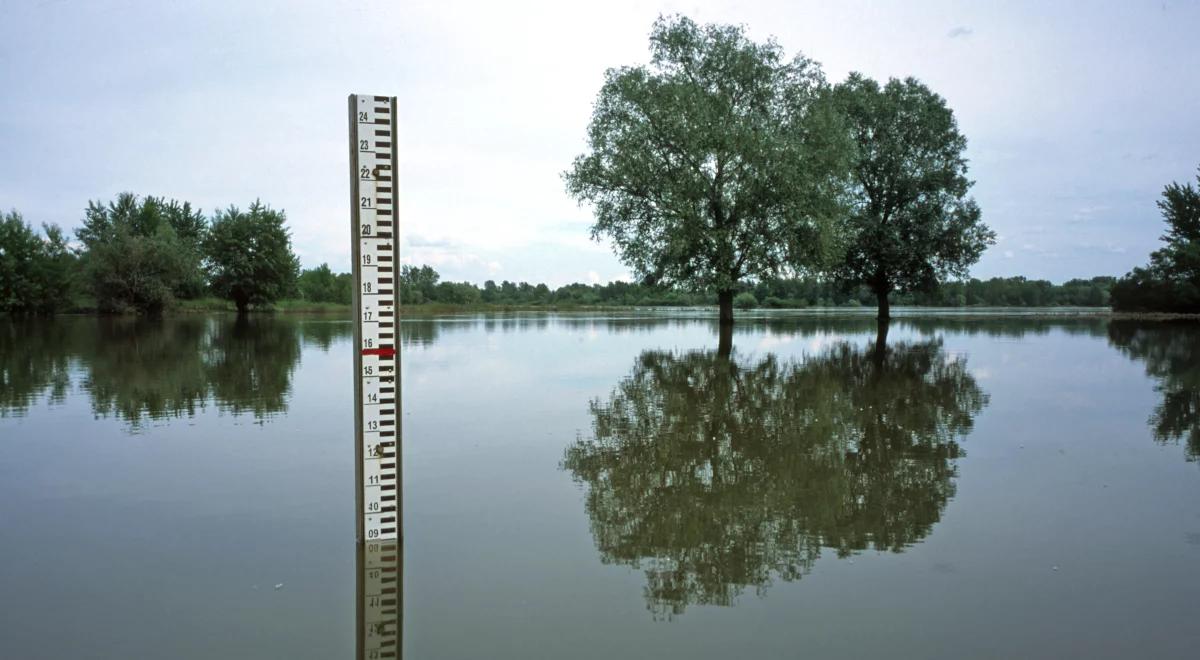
{"x":290,"y":306}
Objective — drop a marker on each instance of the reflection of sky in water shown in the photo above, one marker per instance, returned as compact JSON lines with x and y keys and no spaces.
{"x":149,"y":542}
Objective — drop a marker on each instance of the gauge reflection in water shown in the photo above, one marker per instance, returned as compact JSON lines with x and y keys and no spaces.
{"x":380,"y":599}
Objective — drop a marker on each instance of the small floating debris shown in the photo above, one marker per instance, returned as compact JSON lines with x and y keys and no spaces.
{"x":1054,"y":568}
{"x":280,"y":585}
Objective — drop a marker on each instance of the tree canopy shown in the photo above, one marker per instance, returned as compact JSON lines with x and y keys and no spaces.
{"x":36,"y":272}
{"x":321,"y":284}
{"x":720,"y":161}
{"x":1171,"y":282}
{"x":911,"y":223}
{"x":141,"y":253}
{"x":248,"y":255}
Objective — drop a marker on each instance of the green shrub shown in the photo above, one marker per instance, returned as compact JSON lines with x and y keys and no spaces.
{"x":1171,"y":282}
{"x":141,"y":254}
{"x":745,"y":300}
{"x":35,"y":272}
{"x":319,"y":285}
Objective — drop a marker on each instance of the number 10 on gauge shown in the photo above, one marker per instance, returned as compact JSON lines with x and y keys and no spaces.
{"x":376,"y":309}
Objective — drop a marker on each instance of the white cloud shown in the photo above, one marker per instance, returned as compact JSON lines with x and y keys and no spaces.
{"x":223,"y":102}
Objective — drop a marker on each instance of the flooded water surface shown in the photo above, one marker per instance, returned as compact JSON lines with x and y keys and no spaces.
{"x":608,"y":486}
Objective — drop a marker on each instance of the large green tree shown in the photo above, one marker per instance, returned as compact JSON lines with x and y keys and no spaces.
{"x":141,"y":253}
{"x":248,"y":255}
{"x":912,"y":223}
{"x":721,"y":161}
{"x":1171,"y":283}
{"x":35,"y":271}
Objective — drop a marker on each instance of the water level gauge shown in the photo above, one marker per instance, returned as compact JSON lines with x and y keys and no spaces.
{"x":376,"y":310}
{"x":378,"y":495}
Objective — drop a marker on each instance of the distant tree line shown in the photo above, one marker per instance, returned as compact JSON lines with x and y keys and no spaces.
{"x":143,"y":254}
{"x":421,"y":285}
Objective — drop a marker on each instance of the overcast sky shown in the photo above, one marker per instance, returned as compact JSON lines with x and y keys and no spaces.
{"x":1076,"y":114}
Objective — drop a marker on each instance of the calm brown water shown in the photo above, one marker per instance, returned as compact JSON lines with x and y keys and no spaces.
{"x":607,"y":486}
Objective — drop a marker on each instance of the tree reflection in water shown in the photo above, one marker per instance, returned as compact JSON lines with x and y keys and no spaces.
{"x":1171,"y":352}
{"x":144,"y":369}
{"x":715,"y":474}
{"x":139,"y":370}
{"x":32,"y":364}
{"x":250,"y":364}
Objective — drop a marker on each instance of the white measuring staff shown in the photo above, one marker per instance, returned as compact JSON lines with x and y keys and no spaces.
{"x":378,"y":493}
{"x":377,"y":313}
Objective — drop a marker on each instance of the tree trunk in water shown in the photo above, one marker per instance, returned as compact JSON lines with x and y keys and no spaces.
{"x":881,"y":333}
{"x":725,"y":303}
{"x":725,"y":341}
{"x":885,"y":311}
{"x":242,"y":305}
